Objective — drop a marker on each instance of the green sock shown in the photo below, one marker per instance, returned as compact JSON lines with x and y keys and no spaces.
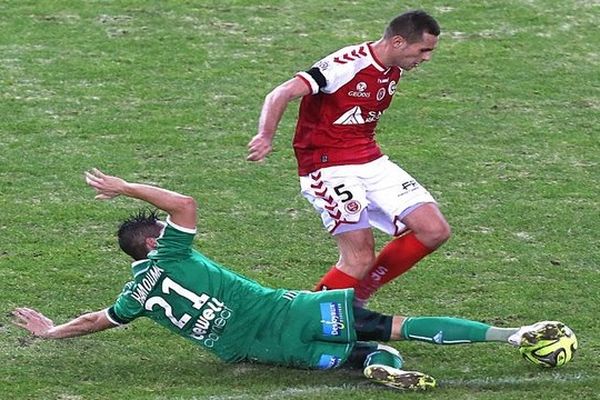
{"x":385,"y":358}
{"x":444,"y":330}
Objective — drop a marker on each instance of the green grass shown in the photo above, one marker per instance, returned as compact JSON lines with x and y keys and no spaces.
{"x":502,"y":126}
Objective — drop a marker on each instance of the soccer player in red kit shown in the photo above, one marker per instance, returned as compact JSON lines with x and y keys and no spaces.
{"x":343,"y":172}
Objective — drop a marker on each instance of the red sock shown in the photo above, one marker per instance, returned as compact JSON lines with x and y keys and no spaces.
{"x":394,"y":259}
{"x":336,"y":279}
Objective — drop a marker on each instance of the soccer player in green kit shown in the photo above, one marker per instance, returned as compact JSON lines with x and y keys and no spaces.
{"x":240,"y":320}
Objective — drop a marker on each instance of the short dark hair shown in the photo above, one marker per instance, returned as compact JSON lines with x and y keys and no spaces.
{"x":412,"y":25}
{"x":134,"y":231}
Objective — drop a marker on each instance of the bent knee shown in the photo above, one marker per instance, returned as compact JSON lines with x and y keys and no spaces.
{"x":436,"y":235}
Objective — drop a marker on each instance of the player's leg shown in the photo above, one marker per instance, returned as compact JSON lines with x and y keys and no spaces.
{"x":337,"y":194}
{"x":359,"y":354}
{"x":397,"y":257}
{"x":398,"y":204}
{"x":356,"y":256}
{"x":383,"y":364}
{"x":370,"y":325}
{"x":447,"y":330}
{"x":428,"y":225}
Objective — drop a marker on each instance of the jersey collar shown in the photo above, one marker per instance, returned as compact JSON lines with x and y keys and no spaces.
{"x":376,"y":63}
{"x":139,"y":266}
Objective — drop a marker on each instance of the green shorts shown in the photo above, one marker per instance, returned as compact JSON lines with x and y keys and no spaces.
{"x":316,"y":331}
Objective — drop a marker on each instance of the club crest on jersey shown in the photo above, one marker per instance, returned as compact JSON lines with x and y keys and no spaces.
{"x":332,"y":319}
{"x":360,"y":91}
{"x":381,"y":94}
{"x":352,"y":207}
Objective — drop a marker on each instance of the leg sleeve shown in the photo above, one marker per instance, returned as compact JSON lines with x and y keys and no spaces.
{"x":359,"y":354}
{"x":370,"y":325}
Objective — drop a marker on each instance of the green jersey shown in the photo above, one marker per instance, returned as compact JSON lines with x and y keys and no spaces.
{"x":232,"y":316}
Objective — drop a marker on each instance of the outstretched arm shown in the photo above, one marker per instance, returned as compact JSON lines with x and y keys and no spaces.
{"x":41,"y":326}
{"x":272,"y":111}
{"x":181,"y":208}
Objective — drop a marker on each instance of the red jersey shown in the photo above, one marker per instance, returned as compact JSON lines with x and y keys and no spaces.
{"x":336,"y":123}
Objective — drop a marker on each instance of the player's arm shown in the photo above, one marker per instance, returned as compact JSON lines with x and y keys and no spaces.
{"x":181,"y":208}
{"x":41,"y":326}
{"x":272,"y":111}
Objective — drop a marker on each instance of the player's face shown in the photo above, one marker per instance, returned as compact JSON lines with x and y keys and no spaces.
{"x":410,"y":55}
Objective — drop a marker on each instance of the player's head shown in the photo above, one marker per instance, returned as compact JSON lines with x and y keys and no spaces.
{"x":412,"y":25}
{"x":138,"y":233}
{"x":413,"y":36}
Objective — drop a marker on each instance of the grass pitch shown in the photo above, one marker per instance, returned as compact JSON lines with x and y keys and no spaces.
{"x":501,"y":126}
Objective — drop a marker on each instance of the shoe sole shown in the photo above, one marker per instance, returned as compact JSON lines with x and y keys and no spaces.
{"x":404,"y":381}
{"x":550,"y":331}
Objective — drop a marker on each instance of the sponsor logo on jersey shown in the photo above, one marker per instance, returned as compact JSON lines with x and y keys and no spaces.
{"x":351,"y":117}
{"x":360,"y":91}
{"x":381,"y":94}
{"x":383,"y":80}
{"x":362,"y":95}
{"x":143,"y":288}
{"x":352,"y":207}
{"x":373,"y":116}
{"x":328,"y":361}
{"x":354,"y":116}
{"x":392,"y":88}
{"x":332,"y":319}
{"x":210,"y":324}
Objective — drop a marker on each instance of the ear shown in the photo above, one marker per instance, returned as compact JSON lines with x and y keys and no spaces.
{"x":398,"y":42}
{"x":151,"y":243}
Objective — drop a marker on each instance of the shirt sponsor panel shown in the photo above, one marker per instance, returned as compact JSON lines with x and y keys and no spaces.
{"x":211,"y":323}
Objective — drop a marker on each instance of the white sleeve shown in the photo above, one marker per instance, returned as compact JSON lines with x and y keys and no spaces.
{"x":334,"y":71}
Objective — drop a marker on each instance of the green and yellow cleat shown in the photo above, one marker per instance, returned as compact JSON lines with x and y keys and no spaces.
{"x":399,"y":379}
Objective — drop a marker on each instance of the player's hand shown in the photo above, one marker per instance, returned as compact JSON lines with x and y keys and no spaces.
{"x":259,"y":147}
{"x":106,"y":186}
{"x":35,"y":322}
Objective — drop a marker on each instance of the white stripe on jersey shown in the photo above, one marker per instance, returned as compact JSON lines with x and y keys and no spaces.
{"x":341,"y":67}
{"x":290,"y":295}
